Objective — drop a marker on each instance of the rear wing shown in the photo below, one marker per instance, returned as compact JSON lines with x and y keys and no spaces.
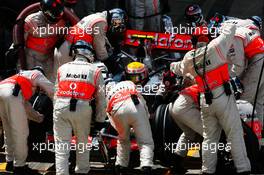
{"x":170,"y":42}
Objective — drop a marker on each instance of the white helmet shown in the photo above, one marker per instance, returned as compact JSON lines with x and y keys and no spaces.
{"x":109,"y":85}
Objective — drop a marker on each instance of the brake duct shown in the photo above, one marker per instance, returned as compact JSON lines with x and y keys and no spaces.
{"x":18,"y":29}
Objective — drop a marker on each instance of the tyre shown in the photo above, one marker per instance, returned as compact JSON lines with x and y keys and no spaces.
{"x":166,"y":134}
{"x":37,"y":131}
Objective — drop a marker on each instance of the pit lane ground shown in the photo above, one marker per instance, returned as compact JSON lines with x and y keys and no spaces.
{"x":191,"y":163}
{"x":44,"y":163}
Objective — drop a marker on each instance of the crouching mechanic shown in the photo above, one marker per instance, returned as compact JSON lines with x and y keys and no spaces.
{"x":78,"y":83}
{"x":95,"y":29}
{"x":185,"y":112}
{"x":15,"y":92}
{"x":208,"y":65}
{"x":127,"y":108}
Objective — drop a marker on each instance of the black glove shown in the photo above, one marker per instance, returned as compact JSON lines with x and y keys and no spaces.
{"x":194,"y":40}
{"x":98,"y":126}
{"x":169,"y":79}
{"x":237,"y":87}
{"x":112,"y":65}
{"x":11,"y":57}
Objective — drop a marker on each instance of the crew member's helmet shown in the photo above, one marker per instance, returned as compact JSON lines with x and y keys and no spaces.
{"x":52,"y":9}
{"x":257,"y":21}
{"x":85,"y":49}
{"x":136,"y":72}
{"x":193,"y":15}
{"x":117,"y":20}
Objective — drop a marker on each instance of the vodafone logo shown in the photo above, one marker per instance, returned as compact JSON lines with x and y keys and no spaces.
{"x":73,"y":86}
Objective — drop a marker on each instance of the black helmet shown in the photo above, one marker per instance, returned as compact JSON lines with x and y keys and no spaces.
{"x":117,"y":20}
{"x":39,"y":68}
{"x":85,"y":49}
{"x":52,"y":9}
{"x":257,"y":21}
{"x":193,"y":15}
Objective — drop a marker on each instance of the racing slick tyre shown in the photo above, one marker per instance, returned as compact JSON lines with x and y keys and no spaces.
{"x":37,"y":131}
{"x":166,"y":134}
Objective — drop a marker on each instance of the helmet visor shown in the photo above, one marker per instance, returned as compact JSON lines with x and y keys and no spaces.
{"x":118,"y":25}
{"x":54,"y":15}
{"x":193,"y":18}
{"x":135,"y":78}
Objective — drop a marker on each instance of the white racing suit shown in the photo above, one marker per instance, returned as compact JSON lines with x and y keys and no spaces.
{"x":13,"y":112}
{"x":123,"y":115}
{"x":185,"y":112}
{"x":41,"y":38}
{"x":246,"y":56}
{"x":218,"y":109}
{"x":81,"y":81}
{"x":91,"y":29}
{"x":144,"y":14}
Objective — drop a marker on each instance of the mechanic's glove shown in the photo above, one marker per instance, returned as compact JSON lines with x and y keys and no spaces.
{"x":169,"y":79}
{"x":237,"y":87}
{"x":12,"y":55}
{"x":112,"y":65}
{"x":98,"y":126}
{"x":194,"y":40}
{"x":32,"y":114}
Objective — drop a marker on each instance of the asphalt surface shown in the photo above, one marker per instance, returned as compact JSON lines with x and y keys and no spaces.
{"x":46,"y":165}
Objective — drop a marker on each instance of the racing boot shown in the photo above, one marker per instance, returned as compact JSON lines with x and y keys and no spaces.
{"x":25,"y":170}
{"x":244,"y":173}
{"x":120,"y":170}
{"x":178,"y":168}
{"x":9,"y":166}
{"x":147,"y":170}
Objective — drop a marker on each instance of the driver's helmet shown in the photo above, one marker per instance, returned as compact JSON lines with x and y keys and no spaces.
{"x":136,"y":72}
